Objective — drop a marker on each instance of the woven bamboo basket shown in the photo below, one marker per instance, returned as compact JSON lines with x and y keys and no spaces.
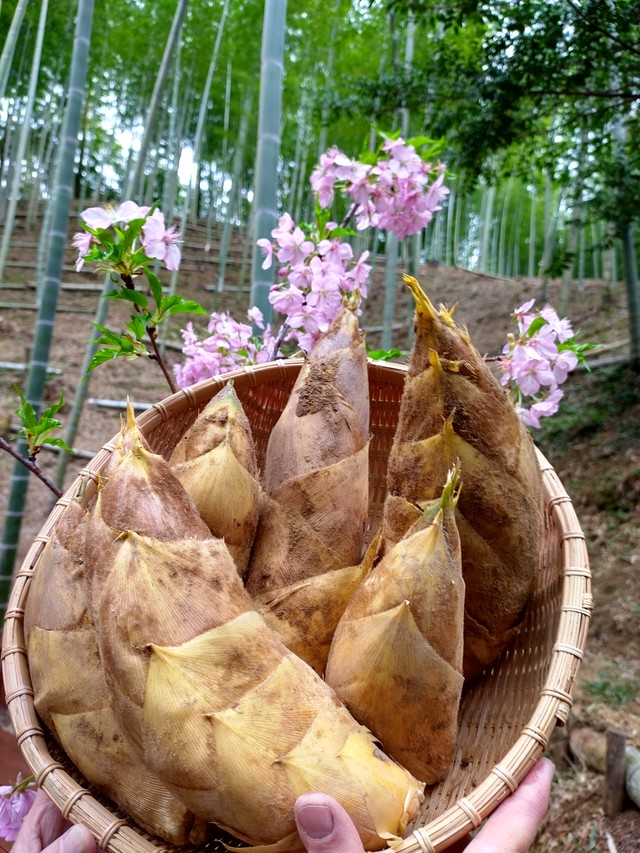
{"x":507,"y":715}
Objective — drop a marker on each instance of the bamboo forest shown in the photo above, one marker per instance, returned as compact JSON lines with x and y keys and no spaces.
{"x":428,"y":212}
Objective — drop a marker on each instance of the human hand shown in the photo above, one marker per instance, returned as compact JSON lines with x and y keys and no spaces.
{"x":325,"y":827}
{"x":46,"y":831}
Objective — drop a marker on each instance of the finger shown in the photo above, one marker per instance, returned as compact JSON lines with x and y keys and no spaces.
{"x":78,"y":839}
{"x":324,"y":826}
{"x":514,"y":824}
{"x":42,"y":825}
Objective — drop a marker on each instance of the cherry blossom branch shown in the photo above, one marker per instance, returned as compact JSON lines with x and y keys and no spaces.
{"x":157,"y":357}
{"x":349,"y":215}
{"x":31,"y":465}
{"x":277,"y":342}
{"x":317,"y":271}
{"x":153,"y":339}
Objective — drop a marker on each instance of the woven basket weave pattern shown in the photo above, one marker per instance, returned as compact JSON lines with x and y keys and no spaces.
{"x":506,"y":716}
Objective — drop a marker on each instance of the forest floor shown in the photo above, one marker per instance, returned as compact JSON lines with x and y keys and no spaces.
{"x":593,"y":443}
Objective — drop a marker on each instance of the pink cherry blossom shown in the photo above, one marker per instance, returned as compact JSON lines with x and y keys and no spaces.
{"x":82,"y":243}
{"x":404,"y":160}
{"x":530,"y":370}
{"x":524,"y":315}
{"x":129,"y":210}
{"x":301,"y":276}
{"x":160,"y":242}
{"x":335,"y":252}
{"x":561,"y":328}
{"x":323,"y":181}
{"x":98,"y":217}
{"x":528,"y":416}
{"x":229,"y":345}
{"x":256,"y":316}
{"x":563,"y":364}
{"x":324,"y":296}
{"x":356,"y":277}
{"x":545,"y":343}
{"x":266,"y":247}
{"x":294,"y":247}
{"x":286,"y":300}
{"x":532,"y":364}
{"x":285,"y":226}
{"x":104,"y":217}
{"x":347,"y":169}
{"x":14,"y":807}
{"x":398,"y":193}
{"x":550,"y":403}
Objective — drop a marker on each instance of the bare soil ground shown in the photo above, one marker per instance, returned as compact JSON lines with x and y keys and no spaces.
{"x":593,"y":443}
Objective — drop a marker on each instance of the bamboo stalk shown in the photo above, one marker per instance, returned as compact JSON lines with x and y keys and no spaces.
{"x":156,"y":97}
{"x":238,"y":159}
{"x":82,"y":386}
{"x":63,"y":189}
{"x":265,"y":199}
{"x":10,"y":45}
{"x":202,"y":115}
{"x":14,"y":192}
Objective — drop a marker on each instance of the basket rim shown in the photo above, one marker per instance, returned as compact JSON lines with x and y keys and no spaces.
{"x":79,"y":805}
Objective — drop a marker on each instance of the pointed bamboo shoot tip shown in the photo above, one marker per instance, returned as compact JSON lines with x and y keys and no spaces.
{"x":434,"y":360}
{"x":446,"y":315}
{"x":131,"y":415}
{"x":447,"y":427}
{"x":423,"y":303}
{"x":452,"y":486}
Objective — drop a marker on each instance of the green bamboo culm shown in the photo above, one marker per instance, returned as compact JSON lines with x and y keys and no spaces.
{"x":193,"y":189}
{"x":265,"y":198}
{"x":134,"y":184}
{"x":14,"y":191}
{"x":62,"y":196}
{"x":82,"y":387}
{"x":202,"y":114}
{"x":10,"y":45}
{"x":234,"y":208}
{"x":392,"y":244}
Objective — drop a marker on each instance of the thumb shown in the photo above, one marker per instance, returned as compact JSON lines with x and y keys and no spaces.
{"x":77,"y":839}
{"x":514,"y":824}
{"x":324,"y":826}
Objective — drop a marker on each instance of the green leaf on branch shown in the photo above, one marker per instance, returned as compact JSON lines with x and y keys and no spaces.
{"x":579,"y":350}
{"x":107,"y":336}
{"x":58,"y":442}
{"x":100,"y":357}
{"x":535,"y":326}
{"x":176,"y":304}
{"x":369,"y":158}
{"x":129,"y":295}
{"x":155,"y":285}
{"x":342,"y":232}
{"x":37,"y":431}
{"x":132,"y":231}
{"x":322,"y":217}
{"x":138,"y":325}
{"x":116,"y":346}
{"x":102,"y":235}
{"x":388,"y":136}
{"x":431,"y":148}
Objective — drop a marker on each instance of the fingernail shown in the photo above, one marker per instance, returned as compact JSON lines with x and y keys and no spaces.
{"x":74,"y":840}
{"x":316,"y":821}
